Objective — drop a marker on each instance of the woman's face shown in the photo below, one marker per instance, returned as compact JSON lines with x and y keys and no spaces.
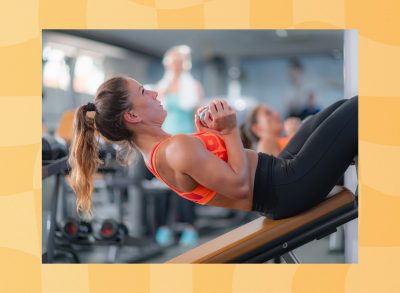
{"x":268,"y":122}
{"x":146,"y":106}
{"x":174,"y":62}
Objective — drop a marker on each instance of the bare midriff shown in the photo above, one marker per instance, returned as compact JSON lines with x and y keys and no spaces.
{"x":245,"y":204}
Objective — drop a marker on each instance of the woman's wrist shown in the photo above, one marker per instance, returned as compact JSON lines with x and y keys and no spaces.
{"x":230,"y":131}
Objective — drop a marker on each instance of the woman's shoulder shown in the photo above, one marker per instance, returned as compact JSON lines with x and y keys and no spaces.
{"x":187,"y":143}
{"x":181,"y":142}
{"x":181,"y":149}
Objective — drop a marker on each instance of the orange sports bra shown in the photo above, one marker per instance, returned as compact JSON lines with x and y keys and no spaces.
{"x":283,"y":141}
{"x":214,"y":144}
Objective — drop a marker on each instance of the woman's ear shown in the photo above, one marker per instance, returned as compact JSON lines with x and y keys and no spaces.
{"x":131,"y":117}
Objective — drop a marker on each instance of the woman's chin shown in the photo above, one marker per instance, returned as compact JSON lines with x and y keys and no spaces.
{"x":164,"y":114}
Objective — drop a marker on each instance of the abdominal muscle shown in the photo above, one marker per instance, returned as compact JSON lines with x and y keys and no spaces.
{"x":245,"y":204}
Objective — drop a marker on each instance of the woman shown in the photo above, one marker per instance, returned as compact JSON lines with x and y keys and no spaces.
{"x":178,"y":91}
{"x":262,"y":130}
{"x":212,"y":167}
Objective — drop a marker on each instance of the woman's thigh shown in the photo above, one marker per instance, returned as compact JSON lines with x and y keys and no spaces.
{"x":306,"y":129}
{"x":300,"y":183}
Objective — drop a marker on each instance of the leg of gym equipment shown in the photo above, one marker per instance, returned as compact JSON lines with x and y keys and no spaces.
{"x":53,"y":216}
{"x":336,"y":241}
{"x":277,"y":259}
{"x":63,"y":212}
{"x":112,"y":253}
{"x":290,"y":258}
{"x":351,"y":228}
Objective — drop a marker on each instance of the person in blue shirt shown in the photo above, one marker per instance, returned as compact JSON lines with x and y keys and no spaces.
{"x":180,"y":95}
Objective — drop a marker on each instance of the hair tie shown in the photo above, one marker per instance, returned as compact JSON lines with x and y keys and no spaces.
{"x":90,"y":107}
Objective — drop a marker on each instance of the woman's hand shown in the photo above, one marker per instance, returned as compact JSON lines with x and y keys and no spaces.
{"x":220,"y":118}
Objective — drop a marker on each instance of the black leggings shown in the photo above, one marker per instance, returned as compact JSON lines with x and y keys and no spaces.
{"x":310,"y":165}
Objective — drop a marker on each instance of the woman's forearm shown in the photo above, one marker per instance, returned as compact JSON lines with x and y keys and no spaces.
{"x":237,"y":158}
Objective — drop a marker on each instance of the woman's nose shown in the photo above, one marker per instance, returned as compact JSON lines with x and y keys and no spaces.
{"x":153,"y":94}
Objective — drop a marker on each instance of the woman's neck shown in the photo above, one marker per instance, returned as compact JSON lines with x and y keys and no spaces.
{"x":146,"y":141}
{"x":269,"y":135}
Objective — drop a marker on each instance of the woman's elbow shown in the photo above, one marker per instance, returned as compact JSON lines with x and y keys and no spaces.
{"x":242,"y":191}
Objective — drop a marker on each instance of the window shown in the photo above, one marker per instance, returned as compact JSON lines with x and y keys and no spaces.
{"x":56,"y":72}
{"x":88,"y":74}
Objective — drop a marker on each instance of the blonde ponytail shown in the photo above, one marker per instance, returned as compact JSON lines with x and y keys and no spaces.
{"x":111,"y":102}
{"x":84,"y":160}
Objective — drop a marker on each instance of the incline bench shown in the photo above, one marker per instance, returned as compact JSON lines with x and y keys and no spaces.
{"x":264,"y":239}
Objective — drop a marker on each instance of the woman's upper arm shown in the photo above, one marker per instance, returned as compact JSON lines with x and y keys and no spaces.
{"x":188,"y":155}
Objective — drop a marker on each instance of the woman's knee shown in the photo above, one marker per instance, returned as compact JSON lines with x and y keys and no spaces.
{"x":354,"y":102}
{"x":350,"y":107}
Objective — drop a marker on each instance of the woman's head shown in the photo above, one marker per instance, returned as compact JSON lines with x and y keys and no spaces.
{"x":267,"y":122}
{"x":122,"y":108}
{"x":260,"y":122}
{"x":178,"y":59}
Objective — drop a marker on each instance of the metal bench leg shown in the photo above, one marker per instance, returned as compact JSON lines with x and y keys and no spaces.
{"x":290,"y":257}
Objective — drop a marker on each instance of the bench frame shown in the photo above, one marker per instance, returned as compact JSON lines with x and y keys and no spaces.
{"x":315,"y":230}
{"x":264,"y":239}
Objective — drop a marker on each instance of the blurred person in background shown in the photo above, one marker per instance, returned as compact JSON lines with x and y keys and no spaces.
{"x":262,"y":130}
{"x":178,"y":91}
{"x":298,"y":92}
{"x":290,"y":127}
{"x":311,"y":107}
{"x":181,"y":95}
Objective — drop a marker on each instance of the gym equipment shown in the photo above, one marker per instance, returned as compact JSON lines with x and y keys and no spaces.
{"x":53,"y":164}
{"x":112,"y":230}
{"x":72,"y":236}
{"x":52,"y":149}
{"x":73,"y":229}
{"x":264,"y":239}
{"x":153,"y":189}
{"x":202,"y":115}
{"x":115,"y":234}
{"x":54,"y":156}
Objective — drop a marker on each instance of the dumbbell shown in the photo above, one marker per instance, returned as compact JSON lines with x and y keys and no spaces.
{"x":202,"y":115}
{"x":112,"y":230}
{"x":73,"y":229}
